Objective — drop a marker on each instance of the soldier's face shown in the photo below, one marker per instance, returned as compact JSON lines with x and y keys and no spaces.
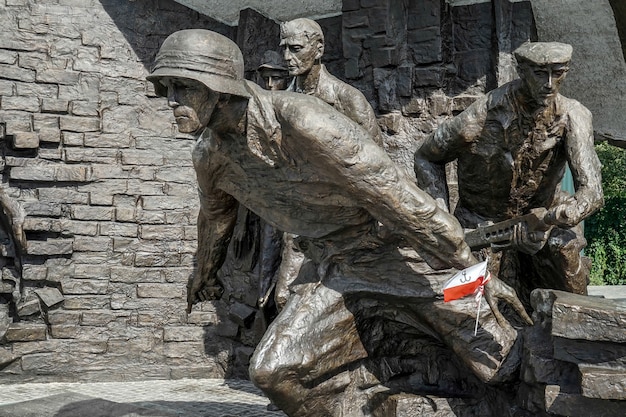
{"x":273,"y":79}
{"x":543,"y":81}
{"x":192,"y":102}
{"x":300,"y":53}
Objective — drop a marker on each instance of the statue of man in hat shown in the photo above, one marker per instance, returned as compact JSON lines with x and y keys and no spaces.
{"x":272,"y":72}
{"x":307,"y":169}
{"x":302,"y":41}
{"x":512,"y":148}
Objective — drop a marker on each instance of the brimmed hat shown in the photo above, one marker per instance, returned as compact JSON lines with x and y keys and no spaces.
{"x":272,"y":60}
{"x":201,"y":55}
{"x":544,"y":53}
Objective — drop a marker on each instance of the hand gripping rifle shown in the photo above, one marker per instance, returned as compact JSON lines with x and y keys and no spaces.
{"x":501,"y":234}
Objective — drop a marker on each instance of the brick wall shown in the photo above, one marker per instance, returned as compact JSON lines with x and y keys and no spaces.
{"x":109,"y":196}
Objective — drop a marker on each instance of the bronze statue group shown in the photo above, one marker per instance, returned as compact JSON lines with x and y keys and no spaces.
{"x":366,"y":248}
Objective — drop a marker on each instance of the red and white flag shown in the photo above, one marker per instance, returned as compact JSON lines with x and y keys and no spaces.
{"x":466,"y":282}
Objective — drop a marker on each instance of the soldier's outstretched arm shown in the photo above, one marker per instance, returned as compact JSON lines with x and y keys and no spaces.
{"x":351,"y":160}
{"x":216,"y":221}
{"x":363,"y":170}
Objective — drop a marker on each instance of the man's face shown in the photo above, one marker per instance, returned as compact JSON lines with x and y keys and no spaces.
{"x":543,"y":81}
{"x":273,"y":79}
{"x":193,"y":103}
{"x":300,"y":53}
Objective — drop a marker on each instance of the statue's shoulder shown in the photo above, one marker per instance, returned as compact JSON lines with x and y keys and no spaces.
{"x":333,"y":91}
{"x":572,"y":107}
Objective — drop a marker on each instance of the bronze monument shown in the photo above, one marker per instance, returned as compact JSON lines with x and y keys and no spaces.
{"x":310,"y":170}
{"x":512,"y":148}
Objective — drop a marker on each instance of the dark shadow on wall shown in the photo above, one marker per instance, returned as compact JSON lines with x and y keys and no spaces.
{"x":146,"y":24}
{"x":619,"y":10}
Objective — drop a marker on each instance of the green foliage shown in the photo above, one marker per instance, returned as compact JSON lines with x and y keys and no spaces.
{"x":606,"y":230}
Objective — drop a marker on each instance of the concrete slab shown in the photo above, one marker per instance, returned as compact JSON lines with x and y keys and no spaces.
{"x":159,"y":398}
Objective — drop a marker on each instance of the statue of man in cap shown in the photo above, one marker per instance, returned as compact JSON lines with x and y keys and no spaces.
{"x":302,"y":41}
{"x":308,"y":169}
{"x":272,"y":72}
{"x":512,"y":148}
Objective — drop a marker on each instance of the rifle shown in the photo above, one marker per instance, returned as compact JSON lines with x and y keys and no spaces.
{"x":501,"y":233}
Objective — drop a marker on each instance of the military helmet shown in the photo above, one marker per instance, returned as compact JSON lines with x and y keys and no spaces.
{"x":201,"y":55}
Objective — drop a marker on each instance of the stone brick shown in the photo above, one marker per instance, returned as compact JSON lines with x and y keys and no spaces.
{"x":50,"y":135}
{"x":84,"y":108}
{"x":63,"y":317}
{"x":97,"y":258}
{"x":102,"y":317}
{"x":7,"y":88}
{"x":36,"y":90}
{"x":150,"y":217}
{"x":135,"y":275}
{"x":25,"y":140}
{"x":82,"y":302}
{"x":349,"y":5}
{"x":114,"y":140}
{"x":50,"y":297}
{"x":79,"y":347}
{"x":49,"y":154}
{"x":34,"y":272}
{"x":144,"y":188}
{"x":161,"y":232}
{"x":588,"y":318}
{"x":91,"y":271}
{"x":561,"y":403}
{"x":182,"y":333}
{"x":76,"y":227}
{"x":8,"y":57}
{"x":425,"y":45}
{"x":63,"y":195}
{"x":45,"y":121}
{"x":35,"y":208}
{"x":118,"y":229}
{"x":157,"y":259}
{"x":73,"y":173}
{"x":203,"y":318}
{"x":28,"y":307}
{"x":92,"y":244}
{"x":44,"y":346}
{"x":64,"y":331}
{"x":140,"y":157}
{"x":423,"y":13}
{"x":80,"y":124}
{"x":177,"y":174}
{"x":50,"y":247}
{"x":14,"y":73}
{"x":165,"y":203}
{"x":186,"y":350}
{"x":73,"y":138}
{"x":124,"y":214}
{"x":155,"y":290}
{"x":57,"y":76}
{"x":29,"y":104}
{"x":607,"y":383}
{"x":355,"y":20}
{"x":16,"y":121}
{"x":100,"y":156}
{"x":25,"y":332}
{"x":56,"y":273}
{"x":51,"y":105}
